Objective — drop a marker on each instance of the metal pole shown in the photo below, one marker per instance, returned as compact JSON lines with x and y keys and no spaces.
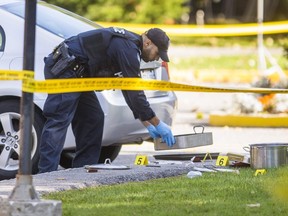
{"x":261,"y":52}
{"x":24,"y":189}
{"x":27,"y":106}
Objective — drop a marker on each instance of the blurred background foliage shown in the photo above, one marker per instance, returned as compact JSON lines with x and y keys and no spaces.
{"x":176,"y":11}
{"x":131,"y":11}
{"x":199,"y":12}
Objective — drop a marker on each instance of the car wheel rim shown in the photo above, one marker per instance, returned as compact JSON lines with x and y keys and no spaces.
{"x":10,"y":141}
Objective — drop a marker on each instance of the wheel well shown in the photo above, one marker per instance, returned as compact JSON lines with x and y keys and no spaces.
{"x":36,"y":108}
{"x":3,"y":98}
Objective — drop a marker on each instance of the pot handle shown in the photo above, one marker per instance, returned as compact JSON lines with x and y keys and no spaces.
{"x":246,"y":148}
{"x":198,"y":126}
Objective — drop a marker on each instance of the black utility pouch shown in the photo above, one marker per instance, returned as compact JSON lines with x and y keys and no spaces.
{"x":63,"y":58}
{"x":80,"y":71}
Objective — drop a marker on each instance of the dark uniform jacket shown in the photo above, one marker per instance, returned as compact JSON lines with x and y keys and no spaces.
{"x":111,"y":52}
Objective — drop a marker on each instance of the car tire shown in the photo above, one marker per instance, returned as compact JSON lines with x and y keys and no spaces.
{"x":10,"y":137}
{"x":110,"y":152}
{"x":106,"y":152}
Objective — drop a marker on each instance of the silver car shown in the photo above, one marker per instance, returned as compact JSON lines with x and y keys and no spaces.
{"x":54,"y":24}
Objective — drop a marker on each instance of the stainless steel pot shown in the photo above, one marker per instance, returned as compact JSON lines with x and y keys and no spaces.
{"x":268,"y":155}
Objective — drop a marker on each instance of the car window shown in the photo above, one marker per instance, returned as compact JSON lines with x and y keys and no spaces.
{"x":2,"y":39}
{"x":54,"y":19}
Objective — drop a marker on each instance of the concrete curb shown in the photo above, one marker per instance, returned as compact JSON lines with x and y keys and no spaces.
{"x":260,"y":120}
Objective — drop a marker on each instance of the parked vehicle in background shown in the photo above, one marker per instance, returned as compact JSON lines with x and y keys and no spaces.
{"x":54,"y":24}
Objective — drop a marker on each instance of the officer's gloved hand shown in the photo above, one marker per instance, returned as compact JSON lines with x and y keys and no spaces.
{"x":153,"y":132}
{"x":166,"y":133}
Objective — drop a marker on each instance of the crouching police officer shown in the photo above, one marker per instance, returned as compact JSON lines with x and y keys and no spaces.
{"x":97,"y":53}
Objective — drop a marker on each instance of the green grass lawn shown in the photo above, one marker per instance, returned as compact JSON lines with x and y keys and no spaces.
{"x":224,"y":68}
{"x":233,"y":62}
{"x":211,"y":194}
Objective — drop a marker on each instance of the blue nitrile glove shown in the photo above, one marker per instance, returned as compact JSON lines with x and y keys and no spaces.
{"x":166,"y":133}
{"x":153,"y":132}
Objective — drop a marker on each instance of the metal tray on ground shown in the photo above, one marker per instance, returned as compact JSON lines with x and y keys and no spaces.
{"x":186,"y":140}
{"x":186,"y":156}
{"x":107,"y":166}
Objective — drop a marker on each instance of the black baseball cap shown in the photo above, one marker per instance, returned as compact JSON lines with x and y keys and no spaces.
{"x":161,"y":40}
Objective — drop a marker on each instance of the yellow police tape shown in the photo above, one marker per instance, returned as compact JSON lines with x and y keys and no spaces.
{"x":16,"y":75}
{"x":29,"y":84}
{"x":247,"y":29}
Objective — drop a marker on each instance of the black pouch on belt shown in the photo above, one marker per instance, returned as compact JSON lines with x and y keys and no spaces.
{"x":63,"y":59}
{"x":79,"y":69}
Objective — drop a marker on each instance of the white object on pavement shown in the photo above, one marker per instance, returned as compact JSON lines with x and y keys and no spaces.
{"x":193,"y":174}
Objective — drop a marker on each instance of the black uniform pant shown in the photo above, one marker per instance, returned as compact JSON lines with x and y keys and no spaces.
{"x":83,"y":111}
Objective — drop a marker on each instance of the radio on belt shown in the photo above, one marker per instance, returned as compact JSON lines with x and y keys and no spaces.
{"x":186,"y":140}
